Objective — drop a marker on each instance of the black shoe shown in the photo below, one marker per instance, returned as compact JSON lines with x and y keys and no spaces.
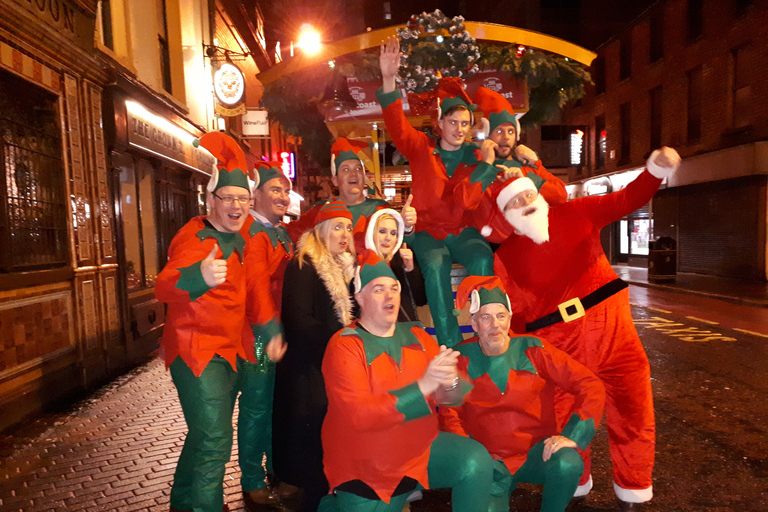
{"x":260,"y":500}
{"x":627,"y":506}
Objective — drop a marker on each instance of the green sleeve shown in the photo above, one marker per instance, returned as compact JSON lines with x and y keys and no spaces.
{"x":579,"y":431}
{"x":191,"y":281}
{"x":265,"y":333}
{"x":411,"y":402}
{"x":485,"y":173}
{"x":387,"y":98}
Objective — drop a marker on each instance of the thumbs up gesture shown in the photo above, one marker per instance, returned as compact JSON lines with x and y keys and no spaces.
{"x":409,"y":214}
{"x":407,"y":255}
{"x":214,"y":270}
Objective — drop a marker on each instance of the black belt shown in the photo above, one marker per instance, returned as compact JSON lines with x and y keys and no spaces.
{"x":572,"y":309}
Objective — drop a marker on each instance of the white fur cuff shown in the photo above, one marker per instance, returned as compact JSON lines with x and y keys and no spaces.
{"x":663,"y":172}
{"x":633,"y":495}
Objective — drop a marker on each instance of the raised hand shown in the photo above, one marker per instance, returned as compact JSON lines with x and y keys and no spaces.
{"x":509,"y":172}
{"x":488,"y":151}
{"x":409,"y":214}
{"x":667,"y":157}
{"x":389,"y":61}
{"x":214,"y":270}
{"x":526,"y":154}
{"x":407,"y":256}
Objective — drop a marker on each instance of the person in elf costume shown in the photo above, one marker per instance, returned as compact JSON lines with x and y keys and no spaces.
{"x":442,"y":236}
{"x":511,"y":407}
{"x":206,"y":331}
{"x":348,"y":174}
{"x":509,"y":159}
{"x":268,"y":250}
{"x":564,"y":288}
{"x":380,"y":435}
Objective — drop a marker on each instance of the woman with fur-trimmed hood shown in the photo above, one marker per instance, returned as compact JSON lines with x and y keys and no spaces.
{"x":316,"y":304}
{"x":384,"y":236}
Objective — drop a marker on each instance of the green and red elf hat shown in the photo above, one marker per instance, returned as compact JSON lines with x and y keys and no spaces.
{"x":332,"y":210}
{"x":497,"y":110}
{"x":479,"y":291}
{"x":231,"y":168}
{"x":344,"y":149}
{"x":503,"y":191}
{"x":369,"y":267}
{"x":265,"y":171}
{"x":450,"y":93}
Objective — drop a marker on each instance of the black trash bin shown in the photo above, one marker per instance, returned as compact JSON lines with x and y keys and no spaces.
{"x":662,"y":259}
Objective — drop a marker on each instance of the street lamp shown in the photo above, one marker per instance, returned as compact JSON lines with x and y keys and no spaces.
{"x":309,"y":39}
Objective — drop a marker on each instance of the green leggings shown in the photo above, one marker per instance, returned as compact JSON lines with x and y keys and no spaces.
{"x":560,"y":476}
{"x":256,"y":383}
{"x":436,"y":258}
{"x":455,"y":462}
{"x":207,"y":403}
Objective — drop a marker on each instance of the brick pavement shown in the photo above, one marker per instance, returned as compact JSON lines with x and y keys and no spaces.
{"x":115,"y":450}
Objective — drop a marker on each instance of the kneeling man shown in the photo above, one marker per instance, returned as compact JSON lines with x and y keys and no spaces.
{"x":511,"y":408}
{"x":380,"y":436}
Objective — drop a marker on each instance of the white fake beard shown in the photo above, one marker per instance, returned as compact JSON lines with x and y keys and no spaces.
{"x":535,"y":225}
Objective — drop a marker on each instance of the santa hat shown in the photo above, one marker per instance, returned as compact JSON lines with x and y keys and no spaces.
{"x":369,"y":267}
{"x":332,"y":210}
{"x":497,"y":110}
{"x":370,"y":232}
{"x":503,"y":191}
{"x":265,"y":171}
{"x":231,"y":168}
{"x":479,"y":291}
{"x":345,"y":149}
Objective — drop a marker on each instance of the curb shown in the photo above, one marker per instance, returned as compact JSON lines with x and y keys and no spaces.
{"x":726,"y":298}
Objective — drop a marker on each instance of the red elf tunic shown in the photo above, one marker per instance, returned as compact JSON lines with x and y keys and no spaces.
{"x":512,"y":404}
{"x":379,"y":427}
{"x":267,"y":252}
{"x":572,"y":264}
{"x":203,"y":321}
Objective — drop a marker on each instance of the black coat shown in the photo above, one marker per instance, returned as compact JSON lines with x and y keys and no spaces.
{"x":412,"y":290}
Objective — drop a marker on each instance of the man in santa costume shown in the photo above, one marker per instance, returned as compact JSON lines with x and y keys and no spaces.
{"x":442,"y":236}
{"x":348,"y":175}
{"x":380,"y":435}
{"x":268,"y":249}
{"x":509,"y":159}
{"x":564,"y":290}
{"x":206,"y":330}
{"x":511,"y":408}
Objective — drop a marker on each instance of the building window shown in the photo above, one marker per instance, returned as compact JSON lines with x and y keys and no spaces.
{"x":656,"y":116}
{"x":694,"y":105}
{"x":600,"y":141}
{"x":164,"y":51}
{"x":387,"y":10}
{"x":598,"y":74}
{"x":657,"y":34}
{"x":743,"y":65}
{"x":104,"y":23}
{"x":625,"y":57}
{"x":695,"y":19}
{"x":33,"y":199}
{"x":625,"y":124}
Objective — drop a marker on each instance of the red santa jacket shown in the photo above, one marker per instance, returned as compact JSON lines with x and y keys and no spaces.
{"x":511,"y":407}
{"x":539,"y":277}
{"x":267,"y":252}
{"x":439,"y":215}
{"x":360,"y":215}
{"x":203,"y":321}
{"x":379,"y":427}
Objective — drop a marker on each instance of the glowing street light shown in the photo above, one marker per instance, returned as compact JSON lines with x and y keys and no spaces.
{"x":309,"y":40}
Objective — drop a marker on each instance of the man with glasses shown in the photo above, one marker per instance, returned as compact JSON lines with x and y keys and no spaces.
{"x":206,"y":330}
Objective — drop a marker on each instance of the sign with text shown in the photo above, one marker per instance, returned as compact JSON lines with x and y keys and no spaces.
{"x":288,"y":163}
{"x":66,"y":17}
{"x":255,"y":123}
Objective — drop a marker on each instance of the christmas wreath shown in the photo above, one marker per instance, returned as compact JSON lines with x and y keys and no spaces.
{"x":435,"y":45}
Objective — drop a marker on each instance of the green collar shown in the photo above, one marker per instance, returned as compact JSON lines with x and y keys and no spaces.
{"x":228,"y":242}
{"x":451,"y":159}
{"x":509,"y":162}
{"x":393,"y":345}
{"x":276,"y":234}
{"x":498,"y":367}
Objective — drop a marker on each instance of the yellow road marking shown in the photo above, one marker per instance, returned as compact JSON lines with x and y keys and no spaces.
{"x":753,"y":333}
{"x":660,"y":310}
{"x":702,"y":320}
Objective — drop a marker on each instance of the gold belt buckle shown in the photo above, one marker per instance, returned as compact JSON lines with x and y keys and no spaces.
{"x":569,"y":317}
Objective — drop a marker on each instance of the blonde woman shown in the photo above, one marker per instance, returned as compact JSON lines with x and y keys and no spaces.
{"x":385,"y":236}
{"x":316,"y":304}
